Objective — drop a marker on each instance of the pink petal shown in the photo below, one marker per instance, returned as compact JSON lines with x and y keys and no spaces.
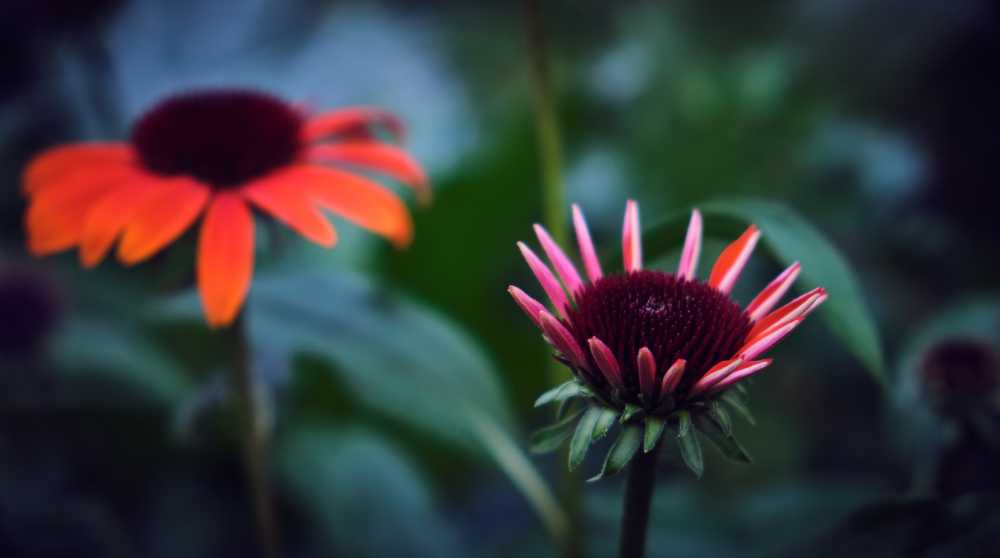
{"x":631,"y":241}
{"x":765,"y":301}
{"x":646,"y":365}
{"x":564,"y":267}
{"x":531,"y":307}
{"x":562,"y":339}
{"x":759,"y":345}
{"x":692,"y":248}
{"x":548,"y":281}
{"x":797,"y":308}
{"x":672,"y":377}
{"x":714,"y":375}
{"x":587,"y":253}
{"x":606,"y":362}
{"x":730,"y":264}
{"x":747,"y":369}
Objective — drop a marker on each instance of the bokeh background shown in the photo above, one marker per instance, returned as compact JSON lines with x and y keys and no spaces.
{"x":874,"y":123}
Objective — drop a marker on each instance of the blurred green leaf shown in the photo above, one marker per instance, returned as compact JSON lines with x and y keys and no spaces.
{"x":735,"y":400}
{"x":562,"y":392}
{"x":357,"y":490}
{"x":396,"y":357}
{"x":87,"y":347}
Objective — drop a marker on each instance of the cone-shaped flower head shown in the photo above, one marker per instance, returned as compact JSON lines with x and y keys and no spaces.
{"x":650,"y":343}
{"x":216,"y":155}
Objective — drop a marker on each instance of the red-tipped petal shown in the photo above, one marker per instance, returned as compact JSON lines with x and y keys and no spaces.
{"x":715,"y":375}
{"x":55,"y":163}
{"x":281,"y":197}
{"x":590,"y":262}
{"x":606,"y":362}
{"x":688,"y":267}
{"x":562,"y":339}
{"x":747,"y":369}
{"x":765,"y":301}
{"x":631,"y":238}
{"x":352,"y":121}
{"x":761,"y":344}
{"x":225,"y":258}
{"x":531,"y":307}
{"x":795,"y":309}
{"x":381,"y":157}
{"x":357,"y":199}
{"x":672,"y":377}
{"x":562,"y":264}
{"x":730,"y":264}
{"x":109,"y":216}
{"x":646,"y":367}
{"x":545,"y":277}
{"x":164,"y":217}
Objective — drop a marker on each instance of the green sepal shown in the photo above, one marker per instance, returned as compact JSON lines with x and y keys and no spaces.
{"x":604,"y":423}
{"x":735,"y":401}
{"x":621,"y":452}
{"x":718,"y":414}
{"x":687,"y":440}
{"x":583,"y":436}
{"x":562,"y":392}
{"x":548,"y":439}
{"x":654,"y":429}
{"x":727,"y":443}
{"x":631,"y":410}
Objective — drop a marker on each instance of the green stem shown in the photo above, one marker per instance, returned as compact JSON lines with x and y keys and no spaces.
{"x":554,"y":217}
{"x":256,"y":444}
{"x":547,"y":124}
{"x":638,"y":499}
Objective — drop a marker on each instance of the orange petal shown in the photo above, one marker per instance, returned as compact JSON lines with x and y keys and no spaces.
{"x":109,"y":216}
{"x":381,"y":157}
{"x":225,"y":258}
{"x":55,"y":217}
{"x":358,"y":200}
{"x":57,"y":161}
{"x":280,"y":196}
{"x":163,"y":218}
{"x":353,"y":121}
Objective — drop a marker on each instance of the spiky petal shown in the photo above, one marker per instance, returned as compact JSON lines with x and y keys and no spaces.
{"x":562,"y":264}
{"x":730,"y":264}
{"x":688,"y":267}
{"x":646,"y":367}
{"x":606,"y":362}
{"x":769,"y":297}
{"x":590,"y":262}
{"x":545,"y":277}
{"x":631,"y":241}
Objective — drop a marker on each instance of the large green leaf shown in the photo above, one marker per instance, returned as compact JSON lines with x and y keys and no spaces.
{"x":356,"y":490}
{"x":93,"y":348}
{"x":791,"y":238}
{"x":395,"y":357}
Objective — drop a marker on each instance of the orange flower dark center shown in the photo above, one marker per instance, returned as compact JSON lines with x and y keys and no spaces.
{"x":222,"y":137}
{"x":674,"y":318}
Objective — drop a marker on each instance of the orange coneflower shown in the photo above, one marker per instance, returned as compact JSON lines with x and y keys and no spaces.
{"x":218,"y":153}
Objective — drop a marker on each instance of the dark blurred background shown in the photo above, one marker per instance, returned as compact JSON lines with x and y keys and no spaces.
{"x":877,"y":122}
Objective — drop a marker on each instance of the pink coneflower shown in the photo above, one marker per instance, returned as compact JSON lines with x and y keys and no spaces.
{"x":652,"y":343}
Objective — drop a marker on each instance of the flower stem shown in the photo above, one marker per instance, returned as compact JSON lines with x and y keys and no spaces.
{"x":256,"y":444}
{"x":638,"y":498}
{"x":548,"y":127}
{"x":554,"y":217}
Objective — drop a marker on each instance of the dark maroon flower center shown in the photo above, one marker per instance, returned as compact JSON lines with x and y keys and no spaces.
{"x":222,"y":137}
{"x":674,"y":318}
